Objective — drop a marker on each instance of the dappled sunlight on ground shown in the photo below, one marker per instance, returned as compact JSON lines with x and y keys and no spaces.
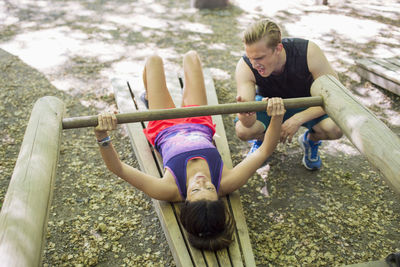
{"x":220,"y":74}
{"x":340,"y":146}
{"x":270,"y":8}
{"x":315,"y":26}
{"x":80,"y":45}
{"x":374,"y":99}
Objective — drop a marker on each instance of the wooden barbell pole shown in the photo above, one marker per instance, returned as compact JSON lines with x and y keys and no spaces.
{"x":162,"y":114}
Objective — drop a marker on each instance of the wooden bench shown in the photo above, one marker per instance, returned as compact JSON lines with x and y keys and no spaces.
{"x":380,"y":263}
{"x":240,"y":252}
{"x":382,"y":72}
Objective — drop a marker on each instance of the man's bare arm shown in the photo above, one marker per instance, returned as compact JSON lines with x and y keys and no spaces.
{"x":246,"y":90}
{"x":318,"y":64}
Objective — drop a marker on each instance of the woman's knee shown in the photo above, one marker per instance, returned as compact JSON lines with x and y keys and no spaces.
{"x":154,"y":60}
{"x":191,"y":56}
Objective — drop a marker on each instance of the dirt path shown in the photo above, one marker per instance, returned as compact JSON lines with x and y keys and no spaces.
{"x":341,"y":214}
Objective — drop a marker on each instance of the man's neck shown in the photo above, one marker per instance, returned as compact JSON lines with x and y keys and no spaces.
{"x":281,"y":63}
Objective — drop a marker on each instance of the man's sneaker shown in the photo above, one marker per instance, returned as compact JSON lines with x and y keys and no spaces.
{"x":144,"y":100}
{"x":256,"y":144}
{"x":254,"y":147}
{"x":311,"y":159}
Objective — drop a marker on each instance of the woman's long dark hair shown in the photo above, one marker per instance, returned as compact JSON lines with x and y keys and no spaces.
{"x":208,"y":223}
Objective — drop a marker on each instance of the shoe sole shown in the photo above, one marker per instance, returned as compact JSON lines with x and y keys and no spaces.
{"x":299,"y":139}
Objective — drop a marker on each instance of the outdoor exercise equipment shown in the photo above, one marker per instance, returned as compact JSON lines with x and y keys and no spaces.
{"x":23,"y":218}
{"x":162,"y":114}
{"x":367,"y":133}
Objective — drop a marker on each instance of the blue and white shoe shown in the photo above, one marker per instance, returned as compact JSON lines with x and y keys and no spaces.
{"x":255,"y":146}
{"x":311,"y":159}
{"x":144,"y":100}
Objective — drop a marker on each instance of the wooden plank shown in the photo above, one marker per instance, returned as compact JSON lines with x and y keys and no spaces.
{"x":242,"y":234}
{"x":367,"y":133}
{"x":148,"y":164}
{"x":223,"y":257}
{"x":394,"y":60}
{"x":380,"y":263}
{"x":384,"y":62}
{"x":377,"y":78}
{"x":197,"y":255}
{"x":382,"y":71}
{"x":24,"y":214}
{"x":210,"y":258}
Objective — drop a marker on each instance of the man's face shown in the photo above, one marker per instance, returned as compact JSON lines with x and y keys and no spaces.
{"x":265,"y":60}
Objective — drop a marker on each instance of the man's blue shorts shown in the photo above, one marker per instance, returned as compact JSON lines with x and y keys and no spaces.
{"x":265,"y":119}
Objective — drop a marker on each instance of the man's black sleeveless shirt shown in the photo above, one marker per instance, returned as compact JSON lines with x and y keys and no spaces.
{"x":295,"y":80}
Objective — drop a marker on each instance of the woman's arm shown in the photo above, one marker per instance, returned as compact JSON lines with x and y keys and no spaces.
{"x":235,"y":178}
{"x":152,"y":186}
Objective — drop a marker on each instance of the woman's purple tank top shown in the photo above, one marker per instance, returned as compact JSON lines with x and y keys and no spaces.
{"x":180,"y":143}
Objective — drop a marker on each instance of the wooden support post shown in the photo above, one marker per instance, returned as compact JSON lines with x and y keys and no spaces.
{"x":23,"y":218}
{"x":370,"y":135}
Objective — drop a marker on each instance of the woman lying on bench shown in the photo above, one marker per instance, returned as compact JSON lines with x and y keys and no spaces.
{"x":194,"y":171}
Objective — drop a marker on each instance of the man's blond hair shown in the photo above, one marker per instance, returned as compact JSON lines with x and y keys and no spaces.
{"x":263,"y":29}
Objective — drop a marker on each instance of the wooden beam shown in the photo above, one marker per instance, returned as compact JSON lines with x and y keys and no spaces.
{"x":23,"y":218}
{"x":367,"y":133}
{"x":244,"y":248}
{"x":162,"y":114}
{"x":380,"y":263}
{"x":382,"y":72}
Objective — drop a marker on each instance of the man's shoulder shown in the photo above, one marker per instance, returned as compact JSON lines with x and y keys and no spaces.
{"x":294,"y":41}
{"x":295,"y":47}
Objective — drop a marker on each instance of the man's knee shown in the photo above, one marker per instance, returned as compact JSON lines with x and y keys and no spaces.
{"x":329,"y":131}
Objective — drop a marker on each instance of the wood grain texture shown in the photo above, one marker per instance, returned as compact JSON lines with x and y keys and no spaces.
{"x":382,"y":72}
{"x":23,"y":218}
{"x":367,"y":133}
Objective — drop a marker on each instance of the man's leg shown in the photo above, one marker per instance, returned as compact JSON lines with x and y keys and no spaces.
{"x":325,"y":130}
{"x":322,"y":128}
{"x":257,"y":130}
{"x":255,"y":133}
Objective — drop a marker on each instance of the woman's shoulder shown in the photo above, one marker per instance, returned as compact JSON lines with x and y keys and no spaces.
{"x":168,"y":180}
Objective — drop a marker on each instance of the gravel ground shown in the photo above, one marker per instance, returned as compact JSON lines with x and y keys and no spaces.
{"x":342,"y":214}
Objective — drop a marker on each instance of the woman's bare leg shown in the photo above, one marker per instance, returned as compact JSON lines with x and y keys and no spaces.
{"x":155,"y":84}
{"x":194,"y":92}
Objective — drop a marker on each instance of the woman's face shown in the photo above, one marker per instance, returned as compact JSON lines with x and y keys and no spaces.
{"x":200,"y":187}
{"x":264,"y":59}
